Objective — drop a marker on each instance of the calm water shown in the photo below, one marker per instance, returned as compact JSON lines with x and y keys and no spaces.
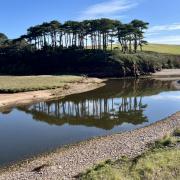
{"x":119,"y":106}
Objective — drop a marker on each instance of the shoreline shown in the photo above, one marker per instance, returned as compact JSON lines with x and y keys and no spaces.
{"x":24,"y":98}
{"x":87,"y":84}
{"x":68,"y":161}
{"x":78,"y":157}
{"x":167,"y":73}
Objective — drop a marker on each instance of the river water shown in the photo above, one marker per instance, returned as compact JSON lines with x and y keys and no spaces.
{"x":121,"y":105}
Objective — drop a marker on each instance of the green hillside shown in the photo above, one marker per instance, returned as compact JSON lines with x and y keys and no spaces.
{"x":163,"y":48}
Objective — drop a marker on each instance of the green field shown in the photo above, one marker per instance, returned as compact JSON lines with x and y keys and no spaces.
{"x":163,"y":48}
{"x":12,"y":84}
{"x":160,"y":48}
{"x":161,"y":162}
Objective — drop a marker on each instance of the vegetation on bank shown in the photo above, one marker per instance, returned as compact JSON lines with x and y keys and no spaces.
{"x":89,"y":62}
{"x":13,"y":84}
{"x":162,"y":161}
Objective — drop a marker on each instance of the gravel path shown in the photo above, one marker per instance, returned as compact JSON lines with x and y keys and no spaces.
{"x":66,"y":163}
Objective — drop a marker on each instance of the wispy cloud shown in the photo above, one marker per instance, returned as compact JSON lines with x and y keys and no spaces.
{"x":152,"y":33}
{"x":164,"y":34}
{"x":167,"y":27}
{"x":166,"y":96}
{"x":108,"y":8}
{"x":171,"y":39}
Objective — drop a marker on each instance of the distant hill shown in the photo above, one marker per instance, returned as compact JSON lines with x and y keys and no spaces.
{"x":163,"y":48}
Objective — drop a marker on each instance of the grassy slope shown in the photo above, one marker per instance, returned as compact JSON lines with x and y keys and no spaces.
{"x":10,"y":84}
{"x":161,"y":162}
{"x":163,"y":48}
{"x":160,"y":48}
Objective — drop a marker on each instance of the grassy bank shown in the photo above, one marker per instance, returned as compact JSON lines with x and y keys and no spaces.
{"x":162,"y":161}
{"x":12,"y":84}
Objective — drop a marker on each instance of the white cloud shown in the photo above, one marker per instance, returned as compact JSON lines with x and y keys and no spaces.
{"x":108,"y":8}
{"x":166,"y":97}
{"x":164,"y":34}
{"x":167,"y":27}
{"x":152,"y":34}
{"x":172,"y":39}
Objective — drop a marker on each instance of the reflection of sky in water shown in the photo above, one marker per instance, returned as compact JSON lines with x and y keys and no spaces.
{"x":23,"y":134}
{"x":159,"y":107}
{"x":162,"y":105}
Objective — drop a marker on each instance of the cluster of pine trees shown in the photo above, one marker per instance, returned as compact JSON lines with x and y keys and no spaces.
{"x":88,"y":34}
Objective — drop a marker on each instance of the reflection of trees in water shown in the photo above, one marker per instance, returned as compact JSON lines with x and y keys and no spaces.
{"x":119,"y":102}
{"x":102,"y":113}
{"x":126,"y":88}
{"x":95,"y":108}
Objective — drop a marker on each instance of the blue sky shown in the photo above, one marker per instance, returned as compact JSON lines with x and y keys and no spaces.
{"x":163,"y":15}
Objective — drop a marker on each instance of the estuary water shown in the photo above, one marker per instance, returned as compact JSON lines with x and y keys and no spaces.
{"x":121,"y":105}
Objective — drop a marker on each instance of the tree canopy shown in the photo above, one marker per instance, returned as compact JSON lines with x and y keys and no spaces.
{"x":3,"y":38}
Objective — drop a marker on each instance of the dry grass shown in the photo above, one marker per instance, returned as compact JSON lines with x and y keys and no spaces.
{"x":12,"y":84}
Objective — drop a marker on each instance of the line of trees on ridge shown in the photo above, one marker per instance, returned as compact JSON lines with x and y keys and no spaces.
{"x":88,"y":34}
